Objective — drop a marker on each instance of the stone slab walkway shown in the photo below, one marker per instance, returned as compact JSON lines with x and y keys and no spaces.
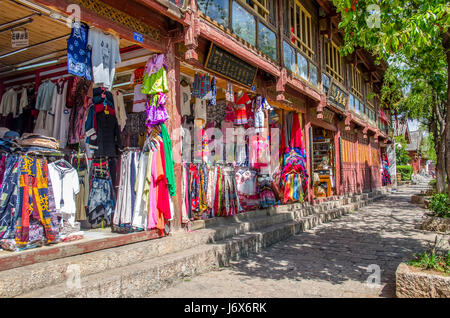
{"x":331,"y":260}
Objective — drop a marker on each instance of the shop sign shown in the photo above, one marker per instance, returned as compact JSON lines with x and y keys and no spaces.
{"x":138,"y":37}
{"x":19,"y":38}
{"x":230,"y":66}
{"x":328,"y":116}
{"x":337,"y":96}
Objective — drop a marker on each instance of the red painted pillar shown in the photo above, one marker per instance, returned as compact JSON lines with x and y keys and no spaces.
{"x":174,"y":121}
{"x":357,"y":165}
{"x":337,"y":154}
{"x":306,"y":129}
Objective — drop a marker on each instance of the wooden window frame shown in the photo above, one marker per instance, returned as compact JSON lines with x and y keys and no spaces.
{"x":357,"y":82}
{"x":334,"y":63}
{"x":305,"y":40}
{"x":264,"y":7}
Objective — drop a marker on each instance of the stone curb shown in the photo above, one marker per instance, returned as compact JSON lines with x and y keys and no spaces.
{"x":420,"y":284}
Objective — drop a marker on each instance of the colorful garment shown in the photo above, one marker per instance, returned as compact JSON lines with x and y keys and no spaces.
{"x":34,"y":200}
{"x":78,"y":55}
{"x":241,"y":101}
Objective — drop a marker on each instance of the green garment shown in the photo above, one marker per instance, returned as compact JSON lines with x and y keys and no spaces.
{"x":170,"y":173}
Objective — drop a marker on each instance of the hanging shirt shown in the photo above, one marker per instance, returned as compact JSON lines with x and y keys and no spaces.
{"x":185,"y":100}
{"x":119,"y":106}
{"x":200,"y":110}
{"x":66,"y":185}
{"x":44,"y":97}
{"x":105,"y":54}
{"x":23,"y":102}
{"x":138,"y":76}
{"x":9,"y":102}
{"x":139,"y":100}
{"x":78,"y":55}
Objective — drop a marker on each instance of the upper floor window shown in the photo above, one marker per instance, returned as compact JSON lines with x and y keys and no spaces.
{"x":333,"y":60}
{"x":218,"y":10}
{"x":253,"y":21}
{"x":301,"y":28}
{"x":244,"y":24}
{"x":370,"y":96}
{"x":264,"y":9}
{"x":357,"y":82}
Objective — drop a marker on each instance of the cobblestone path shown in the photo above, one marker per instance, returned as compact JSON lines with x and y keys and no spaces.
{"x":330,"y":260}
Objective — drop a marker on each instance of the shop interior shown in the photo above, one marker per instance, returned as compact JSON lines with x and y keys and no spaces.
{"x":57,"y":137}
{"x":240,"y":170}
{"x":323,"y":163}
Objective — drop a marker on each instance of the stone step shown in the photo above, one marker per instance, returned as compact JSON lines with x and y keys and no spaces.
{"x":183,"y":253}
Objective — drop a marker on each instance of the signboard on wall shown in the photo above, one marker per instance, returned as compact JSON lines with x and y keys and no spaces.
{"x":222,"y":62}
{"x":337,"y":96}
{"x":19,"y":38}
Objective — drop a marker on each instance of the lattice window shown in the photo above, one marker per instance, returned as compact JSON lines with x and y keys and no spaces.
{"x":301,"y":28}
{"x":265,"y":9}
{"x":369,"y":96}
{"x":333,"y":60}
{"x":357,"y":82}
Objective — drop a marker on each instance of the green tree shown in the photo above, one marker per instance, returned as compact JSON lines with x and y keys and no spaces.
{"x":427,"y":148}
{"x":401,"y":154}
{"x":413,"y":36}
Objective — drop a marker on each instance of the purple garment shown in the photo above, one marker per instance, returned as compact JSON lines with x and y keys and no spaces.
{"x":156,"y":112}
{"x":2,"y":168}
{"x":155,"y":63}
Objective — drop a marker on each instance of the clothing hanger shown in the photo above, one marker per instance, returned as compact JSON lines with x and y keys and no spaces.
{"x":64,"y":163}
{"x":184,"y":83}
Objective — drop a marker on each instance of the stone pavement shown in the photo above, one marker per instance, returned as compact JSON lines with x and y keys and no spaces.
{"x":331,"y":260}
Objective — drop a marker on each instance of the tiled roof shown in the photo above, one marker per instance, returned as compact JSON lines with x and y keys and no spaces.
{"x":416,"y":140}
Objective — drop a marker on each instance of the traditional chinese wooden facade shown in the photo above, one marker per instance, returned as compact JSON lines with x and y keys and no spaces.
{"x":293,"y":46}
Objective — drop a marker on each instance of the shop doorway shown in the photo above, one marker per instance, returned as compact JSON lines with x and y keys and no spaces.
{"x":323,"y":164}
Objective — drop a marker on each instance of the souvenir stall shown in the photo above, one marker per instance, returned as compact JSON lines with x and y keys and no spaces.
{"x":323,"y":173}
{"x":385,"y":174}
{"x":83,"y":144}
{"x":226,"y":148}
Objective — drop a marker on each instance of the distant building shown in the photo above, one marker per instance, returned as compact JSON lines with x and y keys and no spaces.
{"x":413,"y":149}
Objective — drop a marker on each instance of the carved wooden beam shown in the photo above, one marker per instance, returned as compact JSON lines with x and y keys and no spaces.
{"x":348,"y":121}
{"x":110,"y":19}
{"x":281,"y":82}
{"x":169,"y":10}
{"x":377,"y":134}
{"x":192,"y":32}
{"x":365,"y":130}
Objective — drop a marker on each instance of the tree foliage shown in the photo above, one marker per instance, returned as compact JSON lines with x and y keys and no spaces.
{"x":414,"y":37}
{"x":402,"y":156}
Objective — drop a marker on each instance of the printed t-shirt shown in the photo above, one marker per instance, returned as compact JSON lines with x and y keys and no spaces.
{"x":66,"y":185}
{"x":105,"y":55}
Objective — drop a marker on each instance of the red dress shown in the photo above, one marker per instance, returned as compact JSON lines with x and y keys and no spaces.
{"x":240,"y":109}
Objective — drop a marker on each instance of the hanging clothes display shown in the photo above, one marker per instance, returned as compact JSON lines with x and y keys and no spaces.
{"x":78,"y":55}
{"x":57,"y":121}
{"x":101,"y":196}
{"x":105,"y":54}
{"x":123,"y":214}
{"x":386,"y":176}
